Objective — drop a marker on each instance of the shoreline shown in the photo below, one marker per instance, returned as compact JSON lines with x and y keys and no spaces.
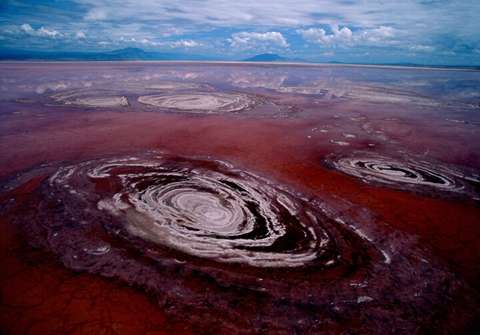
{"x":294,"y":64}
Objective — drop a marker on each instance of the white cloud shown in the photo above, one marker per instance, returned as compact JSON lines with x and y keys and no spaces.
{"x":345,"y":36}
{"x":379,"y":34}
{"x":411,"y":15}
{"x":421,"y":48}
{"x":27,"y":28}
{"x":319,"y":35}
{"x":252,"y":39}
{"x":145,"y":41}
{"x":149,"y":42}
{"x":47,"y":33}
{"x":185,"y":44}
{"x":41,"y":32}
{"x":96,"y":14}
{"x":80,"y":35}
{"x":329,"y":23}
{"x":171,"y":31}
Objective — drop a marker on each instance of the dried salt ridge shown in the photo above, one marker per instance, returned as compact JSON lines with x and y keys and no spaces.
{"x":91,"y":98}
{"x":235,"y":251}
{"x":408,"y":173}
{"x":200,"y":102}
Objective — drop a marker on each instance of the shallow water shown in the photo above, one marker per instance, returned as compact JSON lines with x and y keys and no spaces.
{"x":240,"y":198}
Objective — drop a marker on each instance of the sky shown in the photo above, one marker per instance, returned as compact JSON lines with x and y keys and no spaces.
{"x":365,"y":31}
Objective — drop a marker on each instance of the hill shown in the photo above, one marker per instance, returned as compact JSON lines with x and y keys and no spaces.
{"x":114,"y":55}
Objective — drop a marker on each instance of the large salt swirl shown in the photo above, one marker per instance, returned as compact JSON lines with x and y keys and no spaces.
{"x":234,"y":251}
{"x":200,"y":102}
{"x":405,"y":173}
{"x":206,"y":209}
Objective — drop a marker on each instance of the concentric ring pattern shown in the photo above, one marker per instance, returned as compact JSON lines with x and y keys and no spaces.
{"x":406,"y":173}
{"x":218,"y":213}
{"x":208,"y":238}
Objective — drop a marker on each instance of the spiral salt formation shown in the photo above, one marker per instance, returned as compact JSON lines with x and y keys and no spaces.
{"x":200,"y":102}
{"x":406,"y":173}
{"x":206,"y":213}
{"x":91,"y":98}
{"x":232,"y":250}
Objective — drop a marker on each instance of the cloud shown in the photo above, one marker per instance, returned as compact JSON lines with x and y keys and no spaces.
{"x":47,"y":33}
{"x":421,"y":48}
{"x":396,"y":29}
{"x":96,"y":14}
{"x":40,"y":32}
{"x":252,"y":39}
{"x":346,"y":37}
{"x":185,"y":44}
{"x":27,"y":28}
{"x":319,"y":35}
{"x":80,"y":35}
{"x":379,"y":34}
{"x":148,"y":42}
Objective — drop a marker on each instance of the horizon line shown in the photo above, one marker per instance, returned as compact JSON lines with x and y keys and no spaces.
{"x":244,"y":62}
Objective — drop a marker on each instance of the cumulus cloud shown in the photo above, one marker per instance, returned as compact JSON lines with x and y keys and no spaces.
{"x":40,"y":32}
{"x":27,"y":28}
{"x":251,"y":39}
{"x":379,"y":34}
{"x":185,"y":44}
{"x":80,"y":35}
{"x":399,"y":27}
{"x":345,"y":36}
{"x":319,"y":35}
{"x":143,"y":41}
{"x":148,"y":42}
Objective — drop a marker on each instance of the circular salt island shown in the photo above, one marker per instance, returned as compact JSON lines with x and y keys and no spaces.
{"x":90,"y":98}
{"x":200,"y":102}
{"x":406,"y":173}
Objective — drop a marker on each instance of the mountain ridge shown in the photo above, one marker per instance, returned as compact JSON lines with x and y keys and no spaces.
{"x":138,"y":54}
{"x":113,"y":55}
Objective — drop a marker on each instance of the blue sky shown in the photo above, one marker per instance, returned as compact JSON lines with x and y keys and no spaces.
{"x":419,"y":31}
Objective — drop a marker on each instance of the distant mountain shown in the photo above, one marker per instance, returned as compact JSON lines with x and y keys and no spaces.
{"x":268,"y":57}
{"x":114,"y":55}
{"x":130,"y":54}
